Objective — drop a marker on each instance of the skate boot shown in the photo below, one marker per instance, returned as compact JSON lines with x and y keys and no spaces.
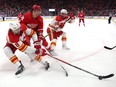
{"x":65,"y":47}
{"x":20,"y":69}
{"x":47,"y":65}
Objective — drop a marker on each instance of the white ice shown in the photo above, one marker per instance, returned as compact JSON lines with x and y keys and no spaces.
{"x":87,"y":52}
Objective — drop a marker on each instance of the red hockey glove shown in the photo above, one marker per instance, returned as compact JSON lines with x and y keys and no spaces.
{"x":61,"y":25}
{"x":41,"y":52}
{"x":40,"y":38}
{"x":72,"y":16}
{"x":37,"y":45}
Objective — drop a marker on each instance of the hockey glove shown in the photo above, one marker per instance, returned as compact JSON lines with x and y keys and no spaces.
{"x":41,"y":52}
{"x":40,"y":38}
{"x":72,"y":16}
{"x":37,"y":45}
{"x":61,"y":25}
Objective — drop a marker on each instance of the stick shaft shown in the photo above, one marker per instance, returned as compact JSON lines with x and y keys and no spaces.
{"x":99,"y":77}
{"x":73,"y":66}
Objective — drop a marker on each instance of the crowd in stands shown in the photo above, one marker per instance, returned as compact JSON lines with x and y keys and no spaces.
{"x":91,"y":7}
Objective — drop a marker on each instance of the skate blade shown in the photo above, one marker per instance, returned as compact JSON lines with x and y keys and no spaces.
{"x":20,"y":75}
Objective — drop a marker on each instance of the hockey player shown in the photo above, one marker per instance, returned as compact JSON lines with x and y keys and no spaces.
{"x":110,"y":17}
{"x":81,"y":16}
{"x":16,"y":40}
{"x":55,"y":30}
{"x":20,"y":17}
{"x":33,"y":20}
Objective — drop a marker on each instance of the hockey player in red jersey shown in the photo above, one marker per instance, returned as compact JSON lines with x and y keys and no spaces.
{"x":33,"y":20}
{"x":20,"y":17}
{"x":81,"y":16}
{"x":16,"y":40}
{"x":55,"y":30}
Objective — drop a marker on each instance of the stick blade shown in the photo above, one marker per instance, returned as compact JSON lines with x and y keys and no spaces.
{"x":105,"y":77}
{"x":107,"y":48}
{"x":66,"y":73}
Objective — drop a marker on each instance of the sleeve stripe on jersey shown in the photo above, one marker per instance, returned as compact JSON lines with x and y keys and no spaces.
{"x":38,"y":58}
{"x":51,"y":35}
{"x":14,"y":59}
{"x":23,"y":47}
{"x":32,"y":32}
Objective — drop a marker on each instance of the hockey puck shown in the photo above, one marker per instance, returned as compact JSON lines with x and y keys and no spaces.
{"x":100,"y":77}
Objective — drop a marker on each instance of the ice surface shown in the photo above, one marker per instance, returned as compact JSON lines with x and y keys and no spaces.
{"x":87,"y":52}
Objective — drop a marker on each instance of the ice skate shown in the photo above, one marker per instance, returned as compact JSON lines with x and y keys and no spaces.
{"x":65,"y":47}
{"x":47,"y":65}
{"x":20,"y":69}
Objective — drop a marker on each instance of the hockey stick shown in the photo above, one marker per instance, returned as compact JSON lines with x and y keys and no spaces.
{"x":99,"y":76}
{"x":66,"y":73}
{"x":109,"y":48}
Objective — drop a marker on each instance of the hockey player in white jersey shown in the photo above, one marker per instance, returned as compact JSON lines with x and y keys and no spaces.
{"x":55,"y":30}
{"x":17,"y":40}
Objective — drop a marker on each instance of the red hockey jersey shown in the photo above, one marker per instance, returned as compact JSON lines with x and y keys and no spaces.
{"x":34,"y":23}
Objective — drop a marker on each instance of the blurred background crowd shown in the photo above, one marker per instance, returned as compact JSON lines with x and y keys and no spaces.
{"x":91,"y":7}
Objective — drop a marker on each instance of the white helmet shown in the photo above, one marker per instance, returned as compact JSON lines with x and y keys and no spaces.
{"x":14,"y":26}
{"x":63,"y":11}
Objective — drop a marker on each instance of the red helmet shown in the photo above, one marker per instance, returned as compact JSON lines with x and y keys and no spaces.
{"x":36,"y":7}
